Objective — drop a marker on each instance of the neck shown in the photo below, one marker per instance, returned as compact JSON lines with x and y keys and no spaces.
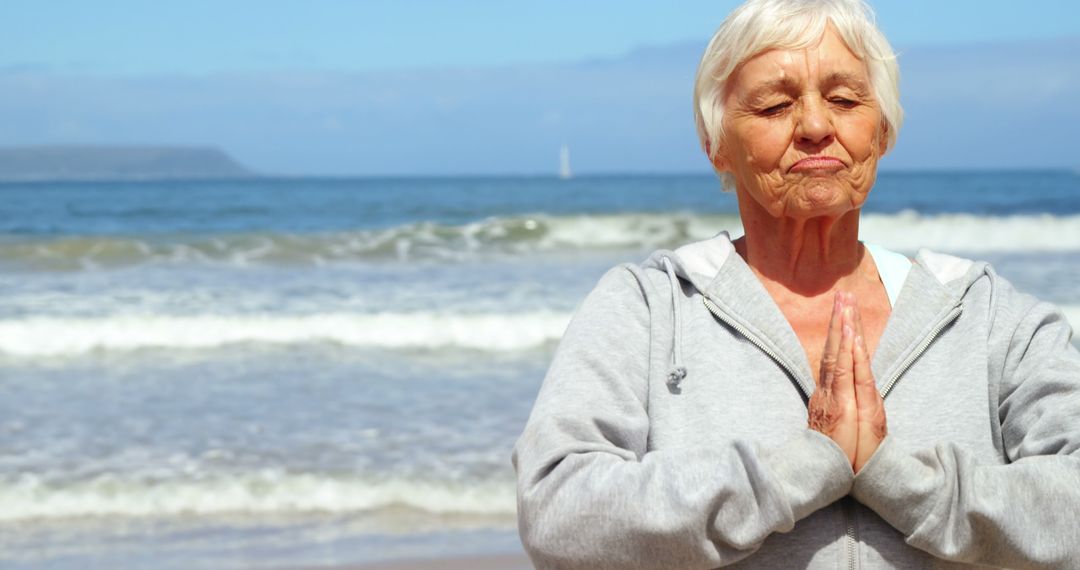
{"x":808,"y":256}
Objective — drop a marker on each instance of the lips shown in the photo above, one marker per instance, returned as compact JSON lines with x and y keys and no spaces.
{"x":818,"y":164}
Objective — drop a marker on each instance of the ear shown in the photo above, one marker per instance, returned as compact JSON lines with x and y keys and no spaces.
{"x":719,"y":161}
{"x":883,"y":138}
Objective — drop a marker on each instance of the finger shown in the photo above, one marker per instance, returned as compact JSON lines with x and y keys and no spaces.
{"x":871,"y":408}
{"x":865,"y":385}
{"x":832,"y":341}
{"x":864,"y":377}
{"x":851,"y":301}
{"x":843,"y":377}
{"x":870,"y":404}
{"x":858,"y":318}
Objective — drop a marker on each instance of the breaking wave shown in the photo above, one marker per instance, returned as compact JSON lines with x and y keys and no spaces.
{"x":267,"y":492}
{"x":70,"y":336}
{"x":496,"y":332}
{"x":515,"y":235}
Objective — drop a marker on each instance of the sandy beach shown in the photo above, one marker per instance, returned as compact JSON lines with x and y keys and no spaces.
{"x":332,"y":374}
{"x":502,"y":562}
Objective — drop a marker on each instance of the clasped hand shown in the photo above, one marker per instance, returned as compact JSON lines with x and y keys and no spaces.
{"x":846,"y":405}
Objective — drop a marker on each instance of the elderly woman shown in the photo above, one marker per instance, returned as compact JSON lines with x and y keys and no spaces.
{"x":728,"y":402}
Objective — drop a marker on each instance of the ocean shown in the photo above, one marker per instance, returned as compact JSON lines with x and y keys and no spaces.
{"x":268,"y":373}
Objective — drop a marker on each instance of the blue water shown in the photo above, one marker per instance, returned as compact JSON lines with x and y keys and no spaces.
{"x":317,"y":205}
{"x":287,"y":372}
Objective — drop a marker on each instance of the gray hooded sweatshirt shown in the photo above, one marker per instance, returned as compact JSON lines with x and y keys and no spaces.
{"x":671,"y":429}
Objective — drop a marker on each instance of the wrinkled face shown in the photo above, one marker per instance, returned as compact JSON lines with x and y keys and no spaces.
{"x":802,"y":130}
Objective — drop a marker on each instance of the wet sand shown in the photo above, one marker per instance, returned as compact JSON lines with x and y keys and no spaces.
{"x":503,"y":562}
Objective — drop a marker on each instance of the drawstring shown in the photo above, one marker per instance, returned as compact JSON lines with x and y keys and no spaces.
{"x":678,"y":371}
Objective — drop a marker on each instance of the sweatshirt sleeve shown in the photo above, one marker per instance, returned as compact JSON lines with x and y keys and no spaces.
{"x":591,"y":495}
{"x":1020,"y":515}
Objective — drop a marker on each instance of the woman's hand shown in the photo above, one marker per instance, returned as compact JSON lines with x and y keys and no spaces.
{"x":846,"y":405}
{"x":871,"y":406}
{"x":833,"y":409}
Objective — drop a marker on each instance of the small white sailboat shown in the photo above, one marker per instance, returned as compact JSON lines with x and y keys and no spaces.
{"x":564,"y":163}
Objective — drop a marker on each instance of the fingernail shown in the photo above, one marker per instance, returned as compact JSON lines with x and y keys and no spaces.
{"x":847,"y":331}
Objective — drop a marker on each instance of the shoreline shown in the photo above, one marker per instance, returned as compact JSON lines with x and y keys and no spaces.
{"x":478,"y":562}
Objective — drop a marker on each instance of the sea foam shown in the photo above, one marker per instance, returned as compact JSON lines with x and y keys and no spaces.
{"x":517,"y":235}
{"x":52,"y":337}
{"x":69,"y":336}
{"x":270,"y":491}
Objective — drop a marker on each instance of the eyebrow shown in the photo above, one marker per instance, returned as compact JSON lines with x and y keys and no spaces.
{"x":845,"y":78}
{"x":771,"y":86}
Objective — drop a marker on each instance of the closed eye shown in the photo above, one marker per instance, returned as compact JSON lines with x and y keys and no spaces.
{"x":775,"y":109}
{"x":843,"y":102}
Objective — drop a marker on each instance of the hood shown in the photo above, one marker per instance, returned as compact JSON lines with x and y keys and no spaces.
{"x":696,"y":263}
{"x":699,"y":263}
{"x":713,"y":268}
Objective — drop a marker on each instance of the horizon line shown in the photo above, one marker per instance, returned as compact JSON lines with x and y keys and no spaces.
{"x":271,"y":177}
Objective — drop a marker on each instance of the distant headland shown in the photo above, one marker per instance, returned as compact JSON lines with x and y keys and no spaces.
{"x":74,"y":162}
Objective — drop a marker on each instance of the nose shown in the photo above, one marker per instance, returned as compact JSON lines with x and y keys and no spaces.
{"x":814,"y":122}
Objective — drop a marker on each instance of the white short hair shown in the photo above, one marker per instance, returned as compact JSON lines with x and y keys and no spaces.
{"x":761,"y":25}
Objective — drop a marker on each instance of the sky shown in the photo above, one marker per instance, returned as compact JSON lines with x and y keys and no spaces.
{"x":435,"y":87}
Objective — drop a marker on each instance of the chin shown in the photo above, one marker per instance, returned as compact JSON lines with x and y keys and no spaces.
{"x":822,"y":198}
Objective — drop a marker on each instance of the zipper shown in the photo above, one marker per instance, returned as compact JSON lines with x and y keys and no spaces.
{"x":746,"y":334}
{"x":910,"y":360}
{"x":852,"y":536}
{"x":852,"y":533}
{"x":849,"y":515}
{"x":952,"y":316}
